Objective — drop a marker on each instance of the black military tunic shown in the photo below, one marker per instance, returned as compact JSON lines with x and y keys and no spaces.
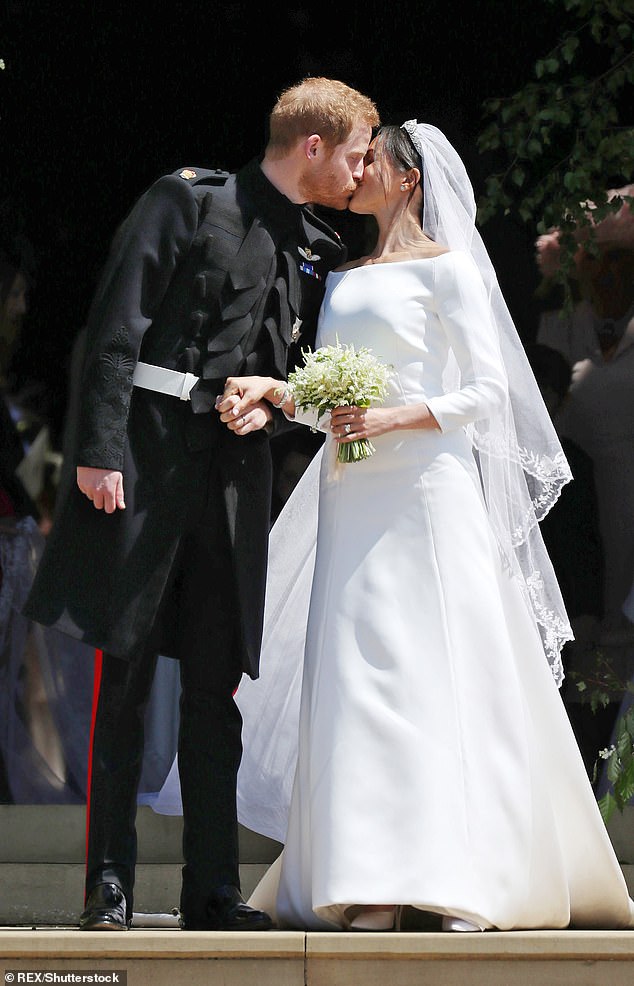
{"x":210,"y":274}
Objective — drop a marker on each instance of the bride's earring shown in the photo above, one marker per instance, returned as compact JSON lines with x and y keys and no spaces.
{"x":403,"y":187}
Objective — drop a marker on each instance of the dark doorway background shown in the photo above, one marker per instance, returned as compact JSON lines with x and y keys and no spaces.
{"x":98,"y":99}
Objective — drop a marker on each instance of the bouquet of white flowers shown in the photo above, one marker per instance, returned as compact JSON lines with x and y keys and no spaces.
{"x":337,"y":376}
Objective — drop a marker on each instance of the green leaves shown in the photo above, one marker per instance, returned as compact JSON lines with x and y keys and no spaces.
{"x":547,"y":66}
{"x":599,"y":686}
{"x":568,"y":134}
{"x":569,"y":48}
{"x":620,"y":772}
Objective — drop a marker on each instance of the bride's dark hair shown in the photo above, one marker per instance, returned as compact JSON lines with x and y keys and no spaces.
{"x":395,"y":144}
{"x":398,"y":145}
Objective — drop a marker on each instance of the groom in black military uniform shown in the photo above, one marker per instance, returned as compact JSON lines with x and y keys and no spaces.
{"x":160,"y":545}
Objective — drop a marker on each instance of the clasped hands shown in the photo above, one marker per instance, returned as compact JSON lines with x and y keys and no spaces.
{"x":244,"y":405}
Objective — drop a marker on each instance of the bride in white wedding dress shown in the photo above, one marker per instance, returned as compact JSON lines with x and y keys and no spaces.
{"x":419,"y":754}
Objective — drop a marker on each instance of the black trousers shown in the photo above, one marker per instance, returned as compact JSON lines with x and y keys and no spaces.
{"x":203,"y":601}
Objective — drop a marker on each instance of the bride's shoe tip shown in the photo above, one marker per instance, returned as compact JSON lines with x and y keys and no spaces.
{"x":383,"y":920}
{"x":458,"y":924}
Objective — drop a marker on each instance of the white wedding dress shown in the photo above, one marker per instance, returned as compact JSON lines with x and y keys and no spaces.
{"x":435,"y":765}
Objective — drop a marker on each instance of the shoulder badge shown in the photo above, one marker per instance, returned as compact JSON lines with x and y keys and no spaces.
{"x":187,"y":174}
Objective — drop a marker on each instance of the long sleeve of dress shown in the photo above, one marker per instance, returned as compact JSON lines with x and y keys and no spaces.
{"x":463,"y":311}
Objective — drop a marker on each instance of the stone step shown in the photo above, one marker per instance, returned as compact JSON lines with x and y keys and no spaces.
{"x":280,"y":958}
{"x":42,"y":868}
{"x":52,"y":893}
{"x":42,"y":852}
{"x":57,"y":834}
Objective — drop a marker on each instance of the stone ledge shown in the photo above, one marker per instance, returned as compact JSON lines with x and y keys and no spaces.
{"x":281,"y":958}
{"x":585,"y":945}
{"x":142,"y":943}
{"x":64,"y":943}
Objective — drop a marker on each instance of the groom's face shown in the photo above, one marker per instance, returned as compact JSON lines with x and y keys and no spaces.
{"x":335,"y":172}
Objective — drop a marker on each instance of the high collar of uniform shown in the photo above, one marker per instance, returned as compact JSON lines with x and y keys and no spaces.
{"x":272,"y":204}
{"x":277,"y":211}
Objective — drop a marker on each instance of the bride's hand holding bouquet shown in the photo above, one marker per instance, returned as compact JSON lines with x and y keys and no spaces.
{"x":344,"y":381}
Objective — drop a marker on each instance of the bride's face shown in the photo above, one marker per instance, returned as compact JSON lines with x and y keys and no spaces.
{"x":380,"y":185}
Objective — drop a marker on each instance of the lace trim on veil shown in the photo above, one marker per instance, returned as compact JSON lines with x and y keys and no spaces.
{"x":521,"y":462}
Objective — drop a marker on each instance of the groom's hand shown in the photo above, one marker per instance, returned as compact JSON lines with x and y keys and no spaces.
{"x":246,"y":392}
{"x":253,"y":418}
{"x":103,"y":486}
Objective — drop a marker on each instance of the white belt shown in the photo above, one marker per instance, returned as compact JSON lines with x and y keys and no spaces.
{"x":164,"y":381}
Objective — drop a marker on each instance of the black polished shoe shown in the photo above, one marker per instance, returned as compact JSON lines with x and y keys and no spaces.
{"x":106,"y":909}
{"x":227,"y":911}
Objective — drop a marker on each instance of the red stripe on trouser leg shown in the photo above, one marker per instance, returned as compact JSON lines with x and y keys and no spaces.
{"x":95,"y":701}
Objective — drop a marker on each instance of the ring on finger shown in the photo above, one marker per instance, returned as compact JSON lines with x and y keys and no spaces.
{"x":347,"y":427}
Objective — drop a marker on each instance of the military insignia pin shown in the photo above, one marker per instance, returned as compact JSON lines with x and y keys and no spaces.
{"x":305,"y":265}
{"x":308,"y":254}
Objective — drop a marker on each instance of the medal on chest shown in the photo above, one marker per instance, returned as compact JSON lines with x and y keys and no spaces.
{"x":306,"y":265}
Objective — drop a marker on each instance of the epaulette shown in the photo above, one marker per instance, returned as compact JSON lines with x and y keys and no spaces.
{"x":203,"y":176}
